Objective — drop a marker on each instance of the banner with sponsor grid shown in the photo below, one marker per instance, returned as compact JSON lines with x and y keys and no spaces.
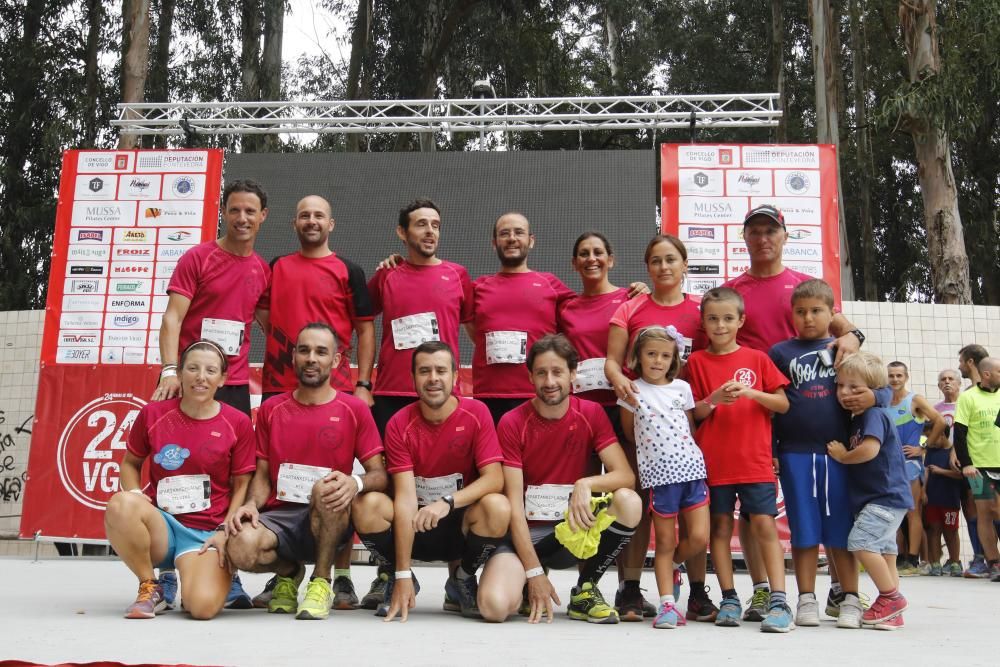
{"x":707,"y":189}
{"x":123,"y":220}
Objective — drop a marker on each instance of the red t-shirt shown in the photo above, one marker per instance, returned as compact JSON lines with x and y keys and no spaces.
{"x":520,"y":303}
{"x":768,"y":304}
{"x":220,"y":285}
{"x":330,"y":435}
{"x":464,"y":443}
{"x":554,"y":451}
{"x":641,"y":312}
{"x":411,"y":290}
{"x":735,"y":439}
{"x":584,"y":321}
{"x":330,"y":289}
{"x":220,"y":447}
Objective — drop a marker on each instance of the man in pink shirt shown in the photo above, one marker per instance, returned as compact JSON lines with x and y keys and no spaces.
{"x":214,"y":293}
{"x":513,"y":309}
{"x":766,"y":288}
{"x":420,"y":299}
{"x":445,"y":461}
{"x":303,"y":491}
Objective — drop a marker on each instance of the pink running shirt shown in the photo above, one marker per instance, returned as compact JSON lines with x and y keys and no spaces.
{"x":584,"y":321}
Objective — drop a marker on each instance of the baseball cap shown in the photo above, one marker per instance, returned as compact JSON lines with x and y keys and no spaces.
{"x":770,"y":212}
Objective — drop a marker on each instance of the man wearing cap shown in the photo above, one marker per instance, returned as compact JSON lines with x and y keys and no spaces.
{"x":766,"y":288}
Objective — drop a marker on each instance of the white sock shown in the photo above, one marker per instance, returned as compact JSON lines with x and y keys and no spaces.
{"x":667,"y":598}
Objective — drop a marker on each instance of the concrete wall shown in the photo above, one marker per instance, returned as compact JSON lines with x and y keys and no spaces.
{"x":926,"y":337}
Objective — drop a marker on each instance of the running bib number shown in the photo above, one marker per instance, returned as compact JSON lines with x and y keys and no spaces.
{"x":590,"y":376}
{"x":688,"y":346}
{"x":183,"y":494}
{"x":295,"y":481}
{"x":430,"y":489}
{"x":506,"y":347}
{"x":412,"y":330}
{"x":228,"y":334}
{"x":547,"y":502}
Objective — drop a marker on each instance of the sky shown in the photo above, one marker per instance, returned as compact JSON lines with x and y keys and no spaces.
{"x":310,"y":29}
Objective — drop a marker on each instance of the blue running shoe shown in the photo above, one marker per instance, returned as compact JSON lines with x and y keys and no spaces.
{"x":669,"y":616}
{"x":168,"y":582}
{"x":238,"y":598}
{"x":730,"y":612}
{"x":778,"y":619}
{"x":464,"y":592}
{"x":978,"y":569}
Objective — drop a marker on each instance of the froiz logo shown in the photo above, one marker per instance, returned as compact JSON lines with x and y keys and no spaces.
{"x":125,"y":320}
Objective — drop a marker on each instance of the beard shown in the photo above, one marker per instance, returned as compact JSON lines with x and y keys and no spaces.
{"x":418,"y":247}
{"x":311,"y":382}
{"x":512,"y":262}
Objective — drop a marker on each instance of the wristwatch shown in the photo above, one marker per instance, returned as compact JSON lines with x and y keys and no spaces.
{"x":857,"y":334}
{"x":365,"y":384}
{"x":450,"y":499}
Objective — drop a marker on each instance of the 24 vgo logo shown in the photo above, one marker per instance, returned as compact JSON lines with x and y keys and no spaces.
{"x":92,"y":446}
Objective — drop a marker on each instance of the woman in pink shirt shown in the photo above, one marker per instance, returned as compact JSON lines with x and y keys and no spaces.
{"x":201,"y":454}
{"x":667,"y":304}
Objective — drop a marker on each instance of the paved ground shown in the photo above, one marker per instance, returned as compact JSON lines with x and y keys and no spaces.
{"x":70,"y":610}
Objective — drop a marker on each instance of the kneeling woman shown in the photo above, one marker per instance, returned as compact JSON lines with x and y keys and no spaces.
{"x":201,"y":458}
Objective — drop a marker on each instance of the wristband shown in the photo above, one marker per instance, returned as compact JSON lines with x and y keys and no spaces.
{"x":169,"y":372}
{"x":404,"y":574}
{"x":534,"y":572}
{"x":137,"y":490}
{"x":359,"y":481}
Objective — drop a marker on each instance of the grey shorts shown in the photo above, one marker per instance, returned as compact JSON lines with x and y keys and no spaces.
{"x":295,"y":538}
{"x":875,"y":529}
{"x":551,"y":553}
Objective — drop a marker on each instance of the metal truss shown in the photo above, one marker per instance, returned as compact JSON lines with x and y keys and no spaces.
{"x":460,"y":115}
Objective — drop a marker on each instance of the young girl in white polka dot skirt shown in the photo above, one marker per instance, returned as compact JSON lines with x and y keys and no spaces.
{"x":660,"y":423}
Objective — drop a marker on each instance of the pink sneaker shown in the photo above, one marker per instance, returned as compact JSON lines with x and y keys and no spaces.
{"x":149,"y":602}
{"x":884,"y":609}
{"x":894,"y":623}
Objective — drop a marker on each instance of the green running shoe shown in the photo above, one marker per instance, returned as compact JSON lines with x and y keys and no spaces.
{"x":317,"y":600}
{"x":587,"y":604}
{"x":758,"y":606}
{"x":285,"y":596}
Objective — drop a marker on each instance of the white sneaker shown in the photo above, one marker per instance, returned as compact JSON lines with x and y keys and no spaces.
{"x":807,"y":612}
{"x":850,"y":613}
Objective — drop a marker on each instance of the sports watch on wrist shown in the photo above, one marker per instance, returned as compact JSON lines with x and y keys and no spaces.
{"x":857,"y":334}
{"x":450,"y":499}
{"x":363,"y":384}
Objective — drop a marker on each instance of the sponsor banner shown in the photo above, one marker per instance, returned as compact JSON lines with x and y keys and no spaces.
{"x":172,"y":161}
{"x":112,"y":355}
{"x":128,"y":269}
{"x":705,"y":251}
{"x":712,"y":210}
{"x":737,"y":251}
{"x":76,"y":355}
{"x":134,"y":355}
{"x":103,"y":214}
{"x":171,"y":253}
{"x":701,"y":285}
{"x":814,"y":269}
{"x":83,"y":302}
{"x":89,"y":269}
{"x":79,"y":338}
{"x":134,"y":253}
{"x":797,"y":183}
{"x":749,"y":182}
{"x":154,"y":339}
{"x":123,"y":338}
{"x":164,"y":269}
{"x":803,"y":234}
{"x":84,"y":286}
{"x":700,"y":233}
{"x":176,"y":236}
{"x":183,"y":186}
{"x":128,"y":304}
{"x":80,"y":321}
{"x":170,"y":213}
{"x":160,"y":303}
{"x":797,"y":210}
{"x":781,"y":157}
{"x":707,"y":156}
{"x":153,"y":356}
{"x":139,"y":186}
{"x":85,"y":252}
{"x":89,"y":162}
{"x":705,"y":182}
{"x":90,"y":236}
{"x":702,"y":269}
{"x":802,"y":251}
{"x":135,"y":235}
{"x":130,"y":286}
{"x":737,"y":267}
{"x":96,"y":187}
{"x":126,"y":321}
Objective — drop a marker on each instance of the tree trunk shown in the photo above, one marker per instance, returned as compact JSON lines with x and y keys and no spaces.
{"x":250,"y":15}
{"x":159,"y":66}
{"x":777,"y":67}
{"x":270,"y":80}
{"x":613,"y":43}
{"x":91,"y":80}
{"x":135,"y":60}
{"x":949,"y":262}
{"x":358,"y":68}
{"x":859,"y":48}
{"x":827,"y":115}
